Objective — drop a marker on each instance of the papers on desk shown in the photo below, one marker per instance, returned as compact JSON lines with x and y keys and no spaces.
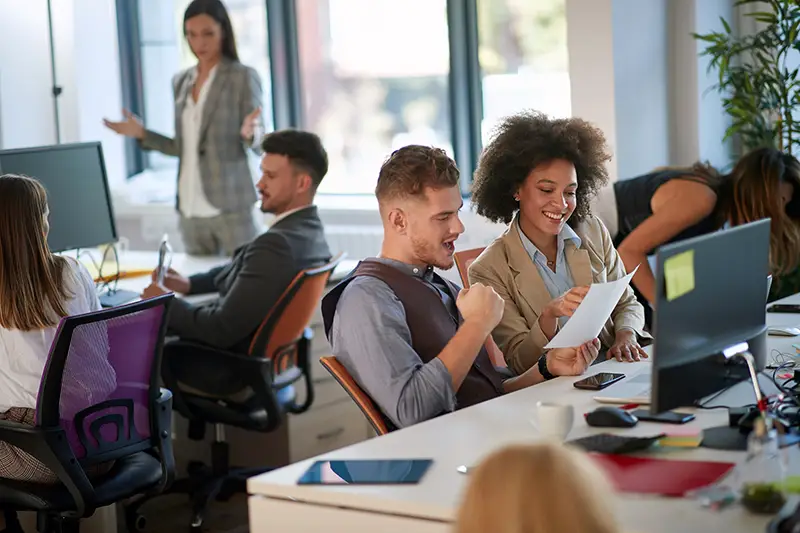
{"x":593,"y":312}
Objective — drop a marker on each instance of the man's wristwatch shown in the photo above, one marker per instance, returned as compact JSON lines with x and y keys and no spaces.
{"x":543,"y":367}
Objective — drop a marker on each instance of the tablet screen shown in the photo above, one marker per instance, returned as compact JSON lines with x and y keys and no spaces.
{"x":366,"y":472}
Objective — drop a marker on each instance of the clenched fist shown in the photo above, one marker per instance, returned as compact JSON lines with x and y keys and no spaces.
{"x":480,"y":304}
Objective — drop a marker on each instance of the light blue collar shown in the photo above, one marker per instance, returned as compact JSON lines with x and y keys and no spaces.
{"x":566,"y":234}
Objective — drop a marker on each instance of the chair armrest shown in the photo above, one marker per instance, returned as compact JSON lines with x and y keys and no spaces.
{"x":50,"y":447}
{"x":304,"y":364}
{"x":162,"y":433}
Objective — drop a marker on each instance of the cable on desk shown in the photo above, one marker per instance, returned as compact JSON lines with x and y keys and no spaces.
{"x":99,"y":285}
{"x":107,"y":283}
{"x":783,"y":358}
{"x":704,"y":405}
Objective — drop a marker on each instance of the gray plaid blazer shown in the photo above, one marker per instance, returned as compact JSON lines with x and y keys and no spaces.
{"x":224,"y":170}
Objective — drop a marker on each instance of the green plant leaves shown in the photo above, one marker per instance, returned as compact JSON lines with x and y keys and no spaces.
{"x":759,"y":92}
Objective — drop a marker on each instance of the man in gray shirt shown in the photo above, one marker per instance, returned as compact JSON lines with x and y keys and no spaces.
{"x":411,"y":339}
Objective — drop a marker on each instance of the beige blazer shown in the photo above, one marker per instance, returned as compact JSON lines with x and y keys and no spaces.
{"x":505,"y":266}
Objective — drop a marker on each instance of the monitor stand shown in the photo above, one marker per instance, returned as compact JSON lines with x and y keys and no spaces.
{"x":732,"y":438}
{"x":117,"y":297}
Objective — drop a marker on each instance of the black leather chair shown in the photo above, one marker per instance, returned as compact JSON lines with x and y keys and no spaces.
{"x":278,"y":358}
{"x":102,"y":420}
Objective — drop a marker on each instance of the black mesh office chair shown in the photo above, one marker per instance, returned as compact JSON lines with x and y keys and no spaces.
{"x":278,"y":358}
{"x":102,"y":420}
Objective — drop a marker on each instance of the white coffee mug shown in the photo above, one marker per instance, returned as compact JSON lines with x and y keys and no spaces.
{"x":553,"y":420}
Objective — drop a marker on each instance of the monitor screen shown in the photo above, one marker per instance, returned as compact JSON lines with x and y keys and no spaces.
{"x":74,"y":175}
{"x":721,"y":303}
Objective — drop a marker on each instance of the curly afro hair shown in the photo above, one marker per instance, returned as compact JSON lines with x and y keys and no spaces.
{"x":522,"y":142}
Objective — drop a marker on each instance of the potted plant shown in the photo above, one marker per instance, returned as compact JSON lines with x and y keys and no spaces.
{"x":757,"y":81}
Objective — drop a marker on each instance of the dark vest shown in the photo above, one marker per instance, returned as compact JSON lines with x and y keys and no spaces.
{"x":431,"y":325}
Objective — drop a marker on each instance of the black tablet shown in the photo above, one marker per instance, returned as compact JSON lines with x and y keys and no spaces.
{"x":366,"y":472}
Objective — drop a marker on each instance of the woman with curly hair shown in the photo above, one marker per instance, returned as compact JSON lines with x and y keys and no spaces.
{"x":673,"y":204}
{"x":539,"y":174}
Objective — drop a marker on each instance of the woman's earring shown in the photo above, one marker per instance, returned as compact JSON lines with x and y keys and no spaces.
{"x":516,"y":198}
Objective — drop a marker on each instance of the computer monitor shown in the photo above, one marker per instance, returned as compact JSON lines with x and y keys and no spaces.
{"x":724,"y":305}
{"x":81,"y":215}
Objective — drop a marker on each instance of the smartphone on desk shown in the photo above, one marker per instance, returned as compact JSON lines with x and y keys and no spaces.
{"x":668,"y":417}
{"x":598,"y":381}
{"x":784,"y":308}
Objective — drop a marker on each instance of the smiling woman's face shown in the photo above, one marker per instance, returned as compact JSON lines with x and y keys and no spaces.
{"x":547,"y":197}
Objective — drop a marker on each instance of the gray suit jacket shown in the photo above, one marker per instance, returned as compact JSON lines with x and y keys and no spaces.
{"x":225,"y":173}
{"x":251,"y":283}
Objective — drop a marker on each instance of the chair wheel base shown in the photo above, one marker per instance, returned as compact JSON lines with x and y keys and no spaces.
{"x":196,"y":526}
{"x":135,"y":521}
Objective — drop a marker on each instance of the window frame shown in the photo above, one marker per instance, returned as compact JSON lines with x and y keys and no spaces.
{"x":131,"y":79}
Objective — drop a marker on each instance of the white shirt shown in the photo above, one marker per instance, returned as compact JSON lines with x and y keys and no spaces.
{"x":193,"y":201}
{"x":285,"y":214}
{"x":23,"y":353}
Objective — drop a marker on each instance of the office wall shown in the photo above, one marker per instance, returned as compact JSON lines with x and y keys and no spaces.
{"x":635,"y":72}
{"x":87,"y":67}
{"x":712,"y":120}
{"x":26,"y":104}
{"x":642,"y":85}
{"x":590,"y":42}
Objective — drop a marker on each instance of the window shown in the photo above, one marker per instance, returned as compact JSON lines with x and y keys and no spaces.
{"x":164,"y":52}
{"x":368,"y":76}
{"x":374,"y":76}
{"x":523,"y":58}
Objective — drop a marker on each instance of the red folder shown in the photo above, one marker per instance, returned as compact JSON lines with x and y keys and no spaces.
{"x":659,"y":476}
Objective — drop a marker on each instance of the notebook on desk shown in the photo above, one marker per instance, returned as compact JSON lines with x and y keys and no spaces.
{"x":665,"y":477}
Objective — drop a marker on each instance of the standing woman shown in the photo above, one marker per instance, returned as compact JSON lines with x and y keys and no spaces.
{"x":217,"y":120}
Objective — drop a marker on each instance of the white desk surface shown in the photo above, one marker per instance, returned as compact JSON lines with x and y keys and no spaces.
{"x":463,"y":437}
{"x":188,"y":265}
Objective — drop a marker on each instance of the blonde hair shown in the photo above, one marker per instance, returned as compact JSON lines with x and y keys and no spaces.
{"x":32,"y":295}
{"x":542,"y":488}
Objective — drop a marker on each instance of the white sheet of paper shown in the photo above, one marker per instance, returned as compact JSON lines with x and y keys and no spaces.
{"x":593,"y":312}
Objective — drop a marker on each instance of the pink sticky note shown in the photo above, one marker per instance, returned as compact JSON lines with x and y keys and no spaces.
{"x":681,"y":432}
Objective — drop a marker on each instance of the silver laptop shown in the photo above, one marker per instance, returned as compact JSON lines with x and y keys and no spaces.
{"x":634,"y":389}
{"x":637,"y":389}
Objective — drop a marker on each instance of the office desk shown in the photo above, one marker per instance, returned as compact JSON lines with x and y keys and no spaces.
{"x":188,"y":265}
{"x":462,"y":438}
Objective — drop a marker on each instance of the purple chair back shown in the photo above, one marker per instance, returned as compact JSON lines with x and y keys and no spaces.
{"x":102,"y":379}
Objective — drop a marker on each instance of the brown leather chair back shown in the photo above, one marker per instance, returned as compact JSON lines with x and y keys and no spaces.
{"x":279,"y":333}
{"x":464,"y":259}
{"x":374,"y":415}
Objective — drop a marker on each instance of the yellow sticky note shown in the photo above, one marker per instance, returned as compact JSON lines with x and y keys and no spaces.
{"x":681,"y":441}
{"x":679,"y":274}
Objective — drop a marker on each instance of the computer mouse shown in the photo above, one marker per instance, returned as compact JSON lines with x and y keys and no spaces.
{"x":783,"y":331}
{"x":611,"y":417}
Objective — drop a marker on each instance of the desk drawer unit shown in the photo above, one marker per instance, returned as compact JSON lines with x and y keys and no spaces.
{"x":327,"y":428}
